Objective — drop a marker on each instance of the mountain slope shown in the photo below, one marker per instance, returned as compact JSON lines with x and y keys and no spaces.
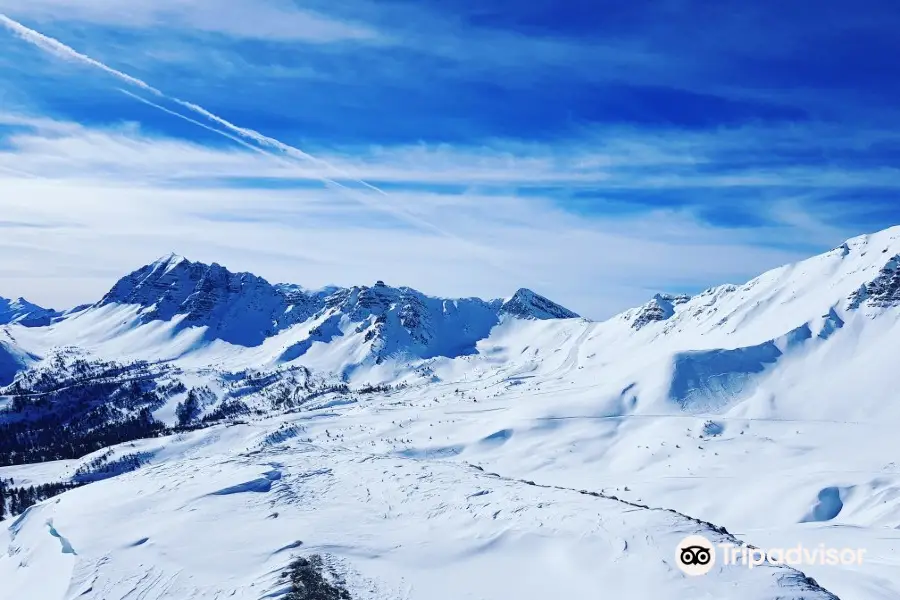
{"x":208,"y":303}
{"x":22,"y":312}
{"x":239,"y":308}
{"x":13,"y":359}
{"x":768,"y":407}
{"x":221,"y":512}
{"x":858,"y":275}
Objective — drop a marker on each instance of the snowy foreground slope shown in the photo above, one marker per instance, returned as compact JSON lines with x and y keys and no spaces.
{"x":768,"y":408}
{"x":220,"y":514}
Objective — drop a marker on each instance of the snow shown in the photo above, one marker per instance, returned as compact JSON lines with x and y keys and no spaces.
{"x":223,"y":517}
{"x":23,"y":312}
{"x":12,"y":358}
{"x":767,"y":408}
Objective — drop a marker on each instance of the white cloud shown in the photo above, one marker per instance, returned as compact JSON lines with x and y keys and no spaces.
{"x":274,"y":20}
{"x":614,"y":160}
{"x":82,"y":206}
{"x":66,"y":242}
{"x":657,"y":154}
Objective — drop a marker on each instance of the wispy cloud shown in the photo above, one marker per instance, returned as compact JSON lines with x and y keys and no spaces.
{"x":109,"y":186}
{"x":263,"y":142}
{"x":610,"y":160}
{"x":307,"y":237}
{"x":271,"y":20}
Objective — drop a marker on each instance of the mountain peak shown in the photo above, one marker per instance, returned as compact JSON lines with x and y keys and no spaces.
{"x":660,"y":308}
{"x":527,"y":304}
{"x":171,"y":258}
{"x":239,"y":308}
{"x":168,"y":261}
{"x":22,"y":312}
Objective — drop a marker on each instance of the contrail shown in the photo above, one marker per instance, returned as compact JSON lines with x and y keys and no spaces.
{"x":63,"y":51}
{"x":235,"y":139}
{"x":328,"y":182}
{"x":278,"y":145}
{"x":193,"y":121}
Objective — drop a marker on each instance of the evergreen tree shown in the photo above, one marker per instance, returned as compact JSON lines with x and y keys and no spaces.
{"x":186,"y":411}
{"x":2,"y":499}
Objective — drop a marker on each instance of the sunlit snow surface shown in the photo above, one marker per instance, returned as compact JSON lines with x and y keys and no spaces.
{"x":221,"y":511}
{"x":768,"y":408}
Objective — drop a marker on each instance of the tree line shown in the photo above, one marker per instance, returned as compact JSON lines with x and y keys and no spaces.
{"x":16,"y":500}
{"x":53,"y":438}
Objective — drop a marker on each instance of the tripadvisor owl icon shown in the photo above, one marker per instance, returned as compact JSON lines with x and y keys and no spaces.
{"x":695,"y":555}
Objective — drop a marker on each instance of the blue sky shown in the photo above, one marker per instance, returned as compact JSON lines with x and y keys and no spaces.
{"x":595,"y":151}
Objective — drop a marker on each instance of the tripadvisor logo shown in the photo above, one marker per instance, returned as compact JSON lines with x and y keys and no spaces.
{"x":696,"y":555}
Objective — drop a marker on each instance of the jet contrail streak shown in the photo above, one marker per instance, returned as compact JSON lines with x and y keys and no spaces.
{"x":278,"y":145}
{"x":234,"y":138}
{"x":178,"y":115}
{"x":328,"y":182}
{"x":61,"y":50}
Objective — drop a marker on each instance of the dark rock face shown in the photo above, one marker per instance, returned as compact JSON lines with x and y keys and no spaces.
{"x":660,"y":308}
{"x":403,"y":321}
{"x":883,"y":291}
{"x":526,"y":304}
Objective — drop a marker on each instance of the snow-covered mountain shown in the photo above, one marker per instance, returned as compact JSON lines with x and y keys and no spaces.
{"x":23,"y":312}
{"x":245,"y":310}
{"x":432,"y":448}
{"x":19,"y":312}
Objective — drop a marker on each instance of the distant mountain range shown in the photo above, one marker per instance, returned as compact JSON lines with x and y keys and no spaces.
{"x":243,"y":309}
{"x":175,"y":308}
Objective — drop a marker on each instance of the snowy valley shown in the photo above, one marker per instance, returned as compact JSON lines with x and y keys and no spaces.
{"x":212,"y":427}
